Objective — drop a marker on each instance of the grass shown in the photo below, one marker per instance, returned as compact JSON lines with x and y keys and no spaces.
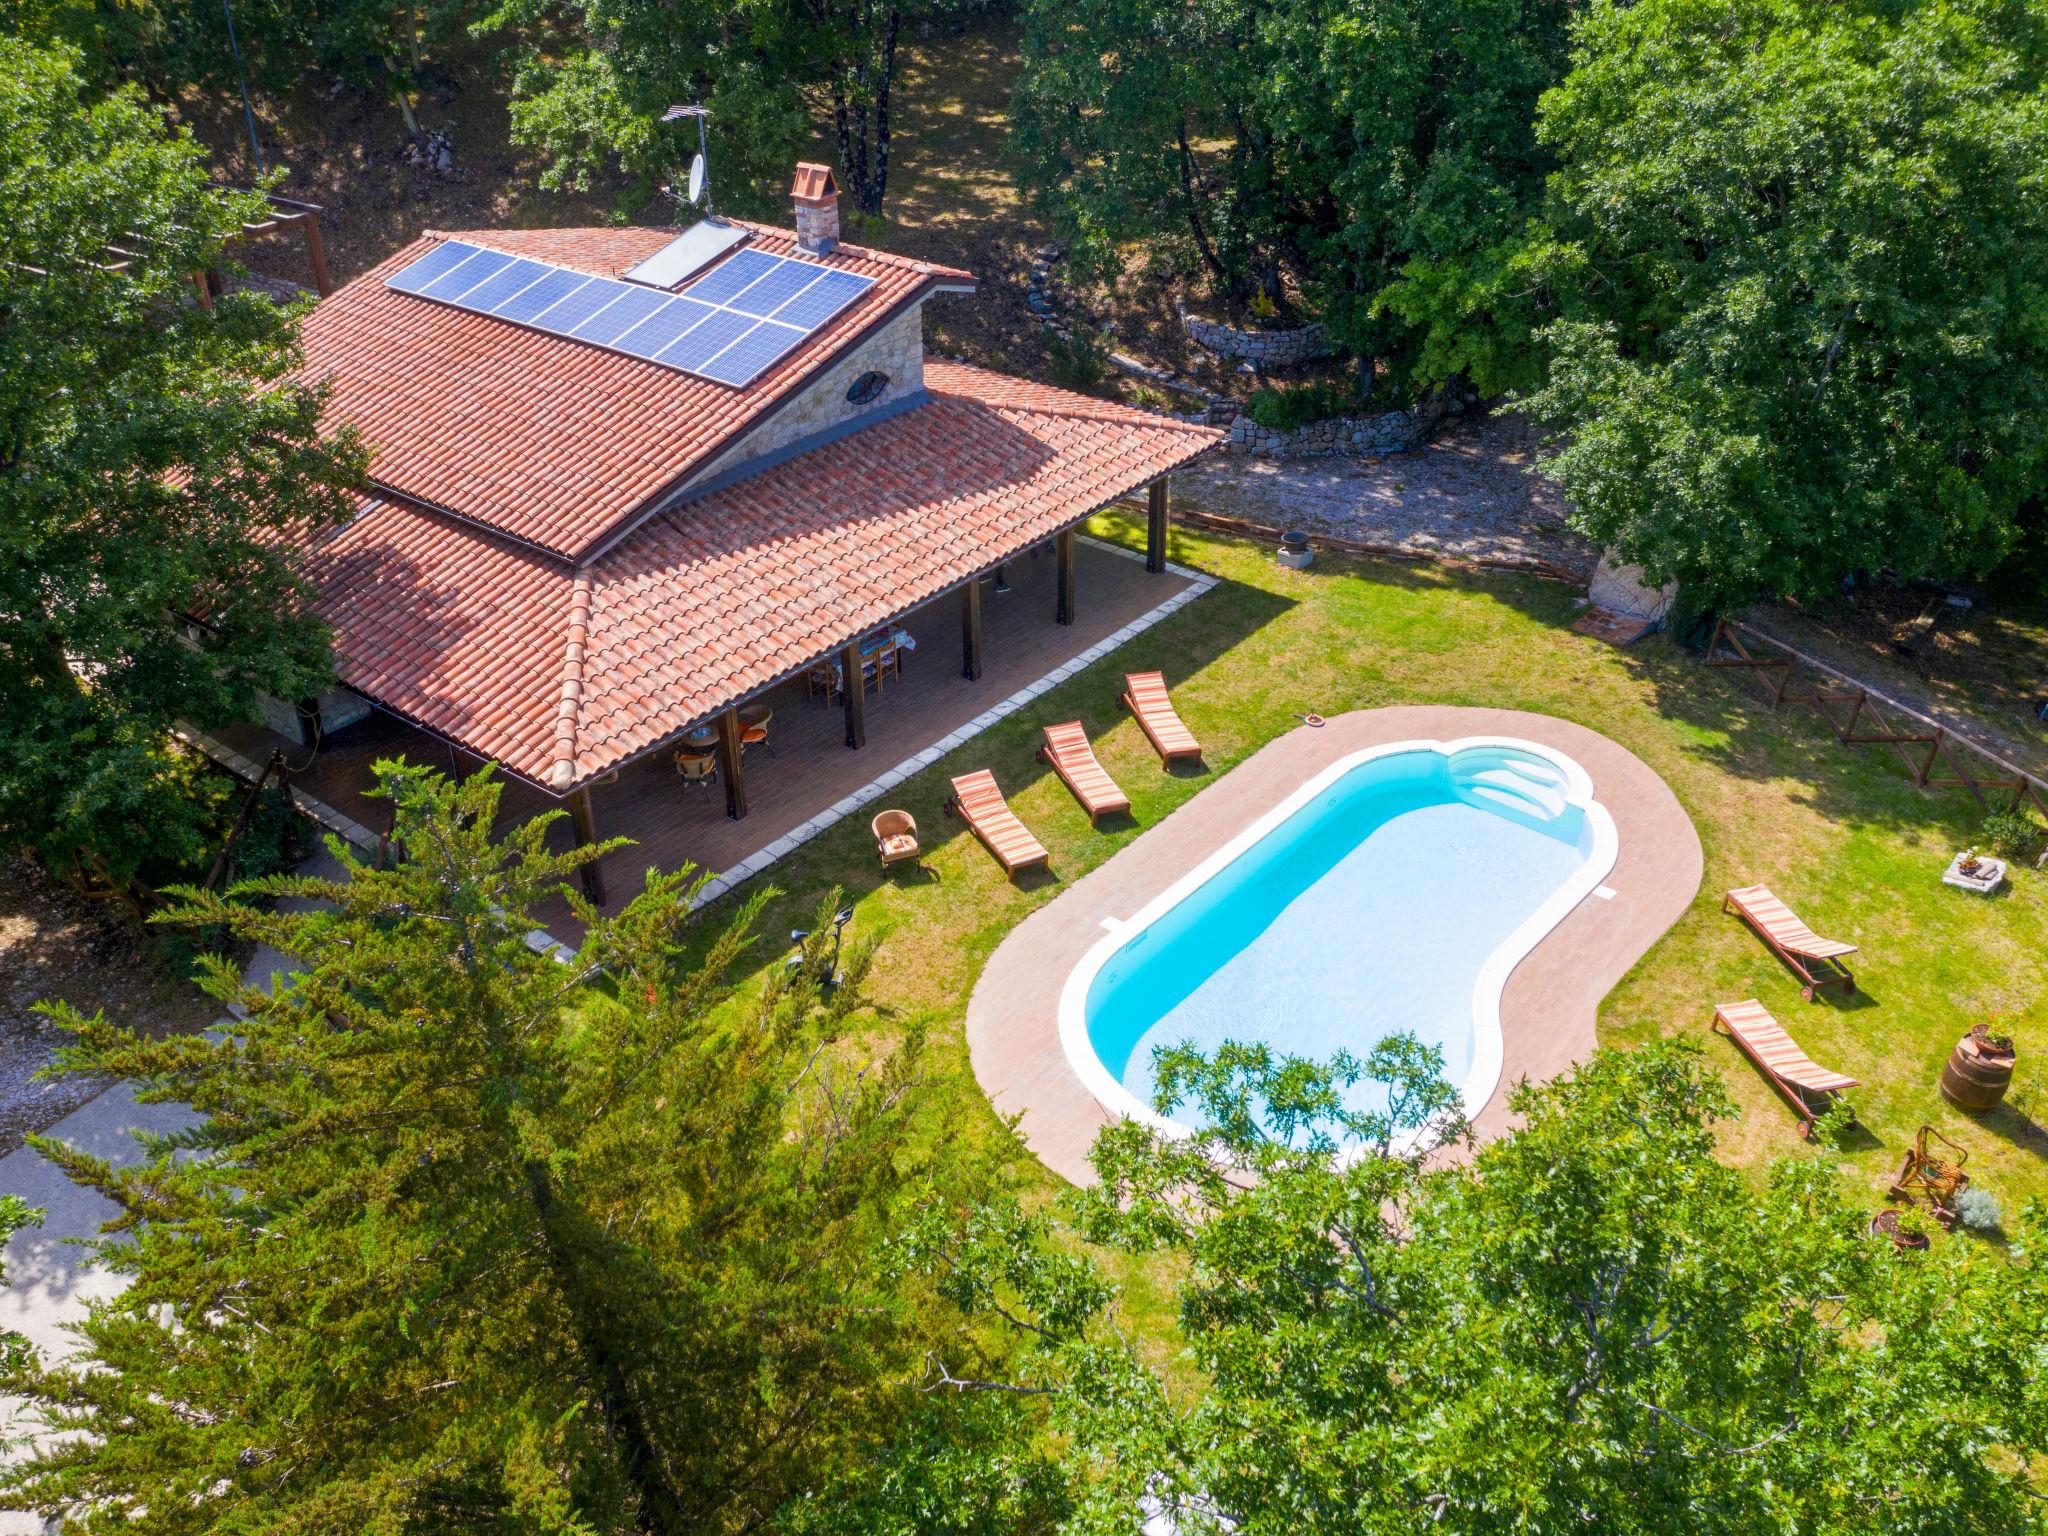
{"x":1840,"y":832}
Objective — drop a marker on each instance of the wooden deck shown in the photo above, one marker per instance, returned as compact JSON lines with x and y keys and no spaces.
{"x":672,"y":823}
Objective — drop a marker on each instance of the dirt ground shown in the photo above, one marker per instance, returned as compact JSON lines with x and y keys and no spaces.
{"x":55,"y":945}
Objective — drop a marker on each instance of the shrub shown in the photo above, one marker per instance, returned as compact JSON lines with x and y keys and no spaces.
{"x":1280,"y":409}
{"x":1977,"y":1209}
{"x":1080,"y":363}
{"x":2011,"y":834}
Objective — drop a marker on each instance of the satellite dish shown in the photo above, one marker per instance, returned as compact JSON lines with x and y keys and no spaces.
{"x":697,"y":179}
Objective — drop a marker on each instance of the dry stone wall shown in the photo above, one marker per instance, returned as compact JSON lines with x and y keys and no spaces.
{"x":1262,"y":349}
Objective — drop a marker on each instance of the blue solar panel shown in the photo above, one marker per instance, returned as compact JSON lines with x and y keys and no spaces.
{"x":493,"y":291}
{"x":734,"y":276}
{"x":435,"y":264}
{"x":742,"y":362}
{"x":703,"y":342}
{"x":579,"y":306}
{"x":774,"y":289}
{"x":465,"y":277}
{"x":620,"y":316}
{"x":716,"y":329}
{"x":674,"y":317}
{"x":527,"y":305}
{"x":823,"y":299}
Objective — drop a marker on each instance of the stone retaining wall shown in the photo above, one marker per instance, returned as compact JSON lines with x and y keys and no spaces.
{"x":1389,"y":432}
{"x":1262,"y":349}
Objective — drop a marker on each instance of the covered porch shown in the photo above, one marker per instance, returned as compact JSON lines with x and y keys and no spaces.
{"x":805,"y":769}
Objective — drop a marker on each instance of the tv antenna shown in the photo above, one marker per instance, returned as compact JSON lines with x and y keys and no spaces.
{"x":700,"y":169}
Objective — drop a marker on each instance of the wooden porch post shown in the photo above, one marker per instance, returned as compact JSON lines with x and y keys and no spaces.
{"x":585,"y":824}
{"x":729,"y":755}
{"x":1064,"y":546}
{"x":970,"y":630}
{"x":1156,"y":508}
{"x":854,"y":692}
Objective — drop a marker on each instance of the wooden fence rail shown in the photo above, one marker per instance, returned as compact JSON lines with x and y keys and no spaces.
{"x":1861,"y":716}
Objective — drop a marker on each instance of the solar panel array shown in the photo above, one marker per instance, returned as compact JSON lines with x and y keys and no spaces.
{"x":729,"y":326}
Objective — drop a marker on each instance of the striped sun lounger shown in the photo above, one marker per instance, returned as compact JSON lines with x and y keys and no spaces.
{"x":1807,"y":1086}
{"x":979,"y":803}
{"x":1066,"y":748}
{"x":1815,"y":960}
{"x":1146,"y":697}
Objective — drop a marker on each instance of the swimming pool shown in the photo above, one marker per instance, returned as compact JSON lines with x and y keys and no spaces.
{"x":1395,"y":890}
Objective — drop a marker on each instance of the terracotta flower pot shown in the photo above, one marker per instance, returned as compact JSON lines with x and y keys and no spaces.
{"x":1886,"y":1223}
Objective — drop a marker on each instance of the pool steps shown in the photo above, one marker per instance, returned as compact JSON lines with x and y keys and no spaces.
{"x":1534,"y":789}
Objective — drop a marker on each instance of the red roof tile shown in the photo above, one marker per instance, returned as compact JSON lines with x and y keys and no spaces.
{"x":545,"y":439}
{"x":562,"y":675}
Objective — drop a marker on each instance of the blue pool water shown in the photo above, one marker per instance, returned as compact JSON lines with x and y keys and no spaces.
{"x":1370,"y":910}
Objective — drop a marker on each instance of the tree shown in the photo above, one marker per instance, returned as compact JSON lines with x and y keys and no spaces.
{"x":1382,"y":152}
{"x":166,"y":48}
{"x":476,"y":1237}
{"x":157,"y":462}
{"x":1801,"y":255}
{"x":592,"y":100}
{"x":1590,"y":1324}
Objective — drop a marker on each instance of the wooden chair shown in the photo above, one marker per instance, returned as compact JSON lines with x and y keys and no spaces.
{"x":698,"y":768}
{"x":1066,"y":748}
{"x":754,"y":727}
{"x":1145,"y":696}
{"x":979,"y":802}
{"x":895,"y":837}
{"x":1926,"y":1172}
{"x":823,"y":683}
{"x":1808,"y":1087}
{"x":1816,"y":961}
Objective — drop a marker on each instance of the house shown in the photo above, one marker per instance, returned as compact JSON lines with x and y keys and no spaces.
{"x":628,"y":483}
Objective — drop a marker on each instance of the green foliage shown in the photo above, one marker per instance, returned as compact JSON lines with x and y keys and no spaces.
{"x":1347,"y":144}
{"x":1591,"y":1323}
{"x":594,"y":77}
{"x":1079,"y":362}
{"x":2011,"y":834}
{"x":468,"y":1238}
{"x":1282,"y":408}
{"x":156,"y":459}
{"x":1801,"y":254}
{"x":166,"y":48}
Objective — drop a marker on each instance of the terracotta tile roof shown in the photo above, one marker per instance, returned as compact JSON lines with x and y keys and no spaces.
{"x":562,"y":674}
{"x":549,"y":440}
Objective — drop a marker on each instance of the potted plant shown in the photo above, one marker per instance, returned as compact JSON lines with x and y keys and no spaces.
{"x":1912,"y":1229}
{"x":1979,"y":1070}
{"x":1970,"y":862}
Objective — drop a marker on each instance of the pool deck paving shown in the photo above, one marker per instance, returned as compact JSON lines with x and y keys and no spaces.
{"x":1548,"y":1012}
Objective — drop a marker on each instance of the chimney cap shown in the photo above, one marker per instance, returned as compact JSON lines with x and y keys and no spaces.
{"x":814,"y":183}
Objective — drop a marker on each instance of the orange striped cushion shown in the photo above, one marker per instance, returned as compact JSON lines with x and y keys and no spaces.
{"x":1067,"y":746}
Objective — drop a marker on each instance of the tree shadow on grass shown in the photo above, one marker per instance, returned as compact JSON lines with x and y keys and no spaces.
{"x":2013,"y":1124}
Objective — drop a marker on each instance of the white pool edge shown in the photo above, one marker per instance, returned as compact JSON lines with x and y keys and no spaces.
{"x":1488,"y":1040}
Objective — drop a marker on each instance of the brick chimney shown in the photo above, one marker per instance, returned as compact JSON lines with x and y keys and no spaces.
{"x":817,"y":208}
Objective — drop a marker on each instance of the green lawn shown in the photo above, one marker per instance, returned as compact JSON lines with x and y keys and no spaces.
{"x":1840,"y":832}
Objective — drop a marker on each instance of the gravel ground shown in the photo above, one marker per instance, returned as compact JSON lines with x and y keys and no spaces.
{"x":1472,"y":492}
{"x":54,"y":944}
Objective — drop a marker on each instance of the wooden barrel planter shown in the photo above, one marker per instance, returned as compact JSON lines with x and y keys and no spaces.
{"x":1978,"y":1071}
